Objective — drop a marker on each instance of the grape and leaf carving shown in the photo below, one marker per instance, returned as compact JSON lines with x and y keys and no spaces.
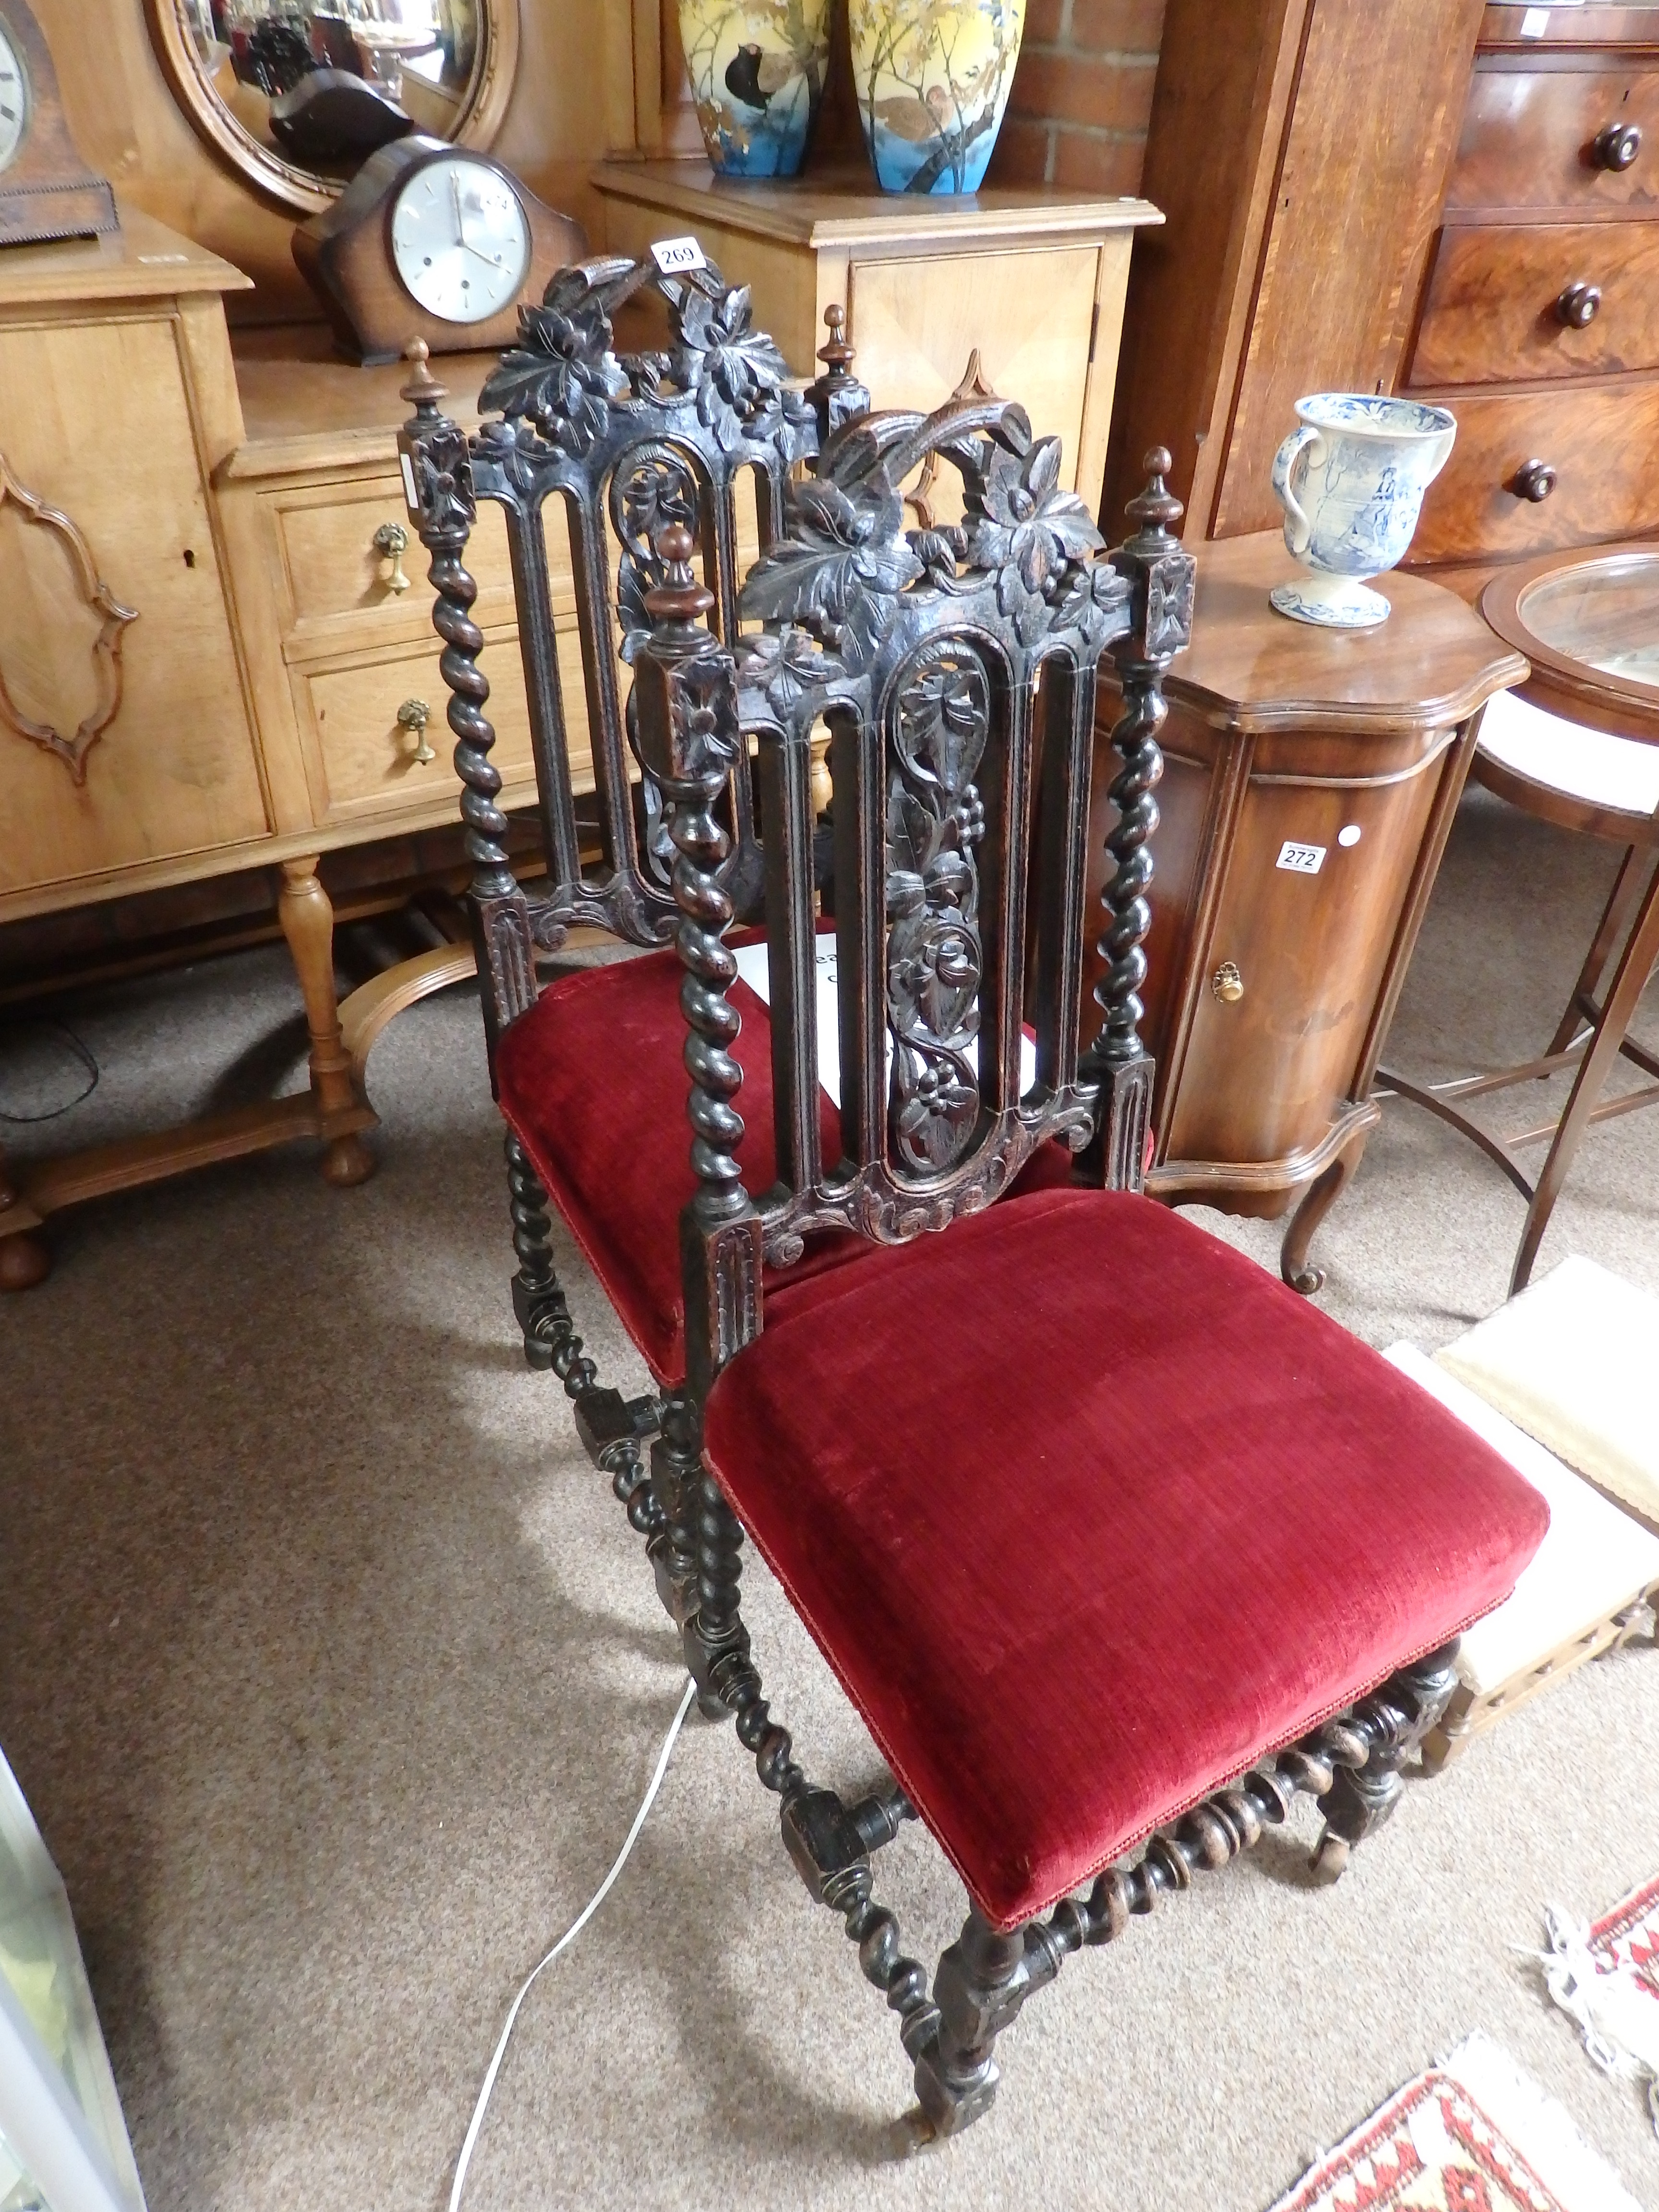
{"x":935,"y":818}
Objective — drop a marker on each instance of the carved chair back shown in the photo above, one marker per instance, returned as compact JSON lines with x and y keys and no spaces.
{"x":957,"y":670}
{"x":628,"y":442}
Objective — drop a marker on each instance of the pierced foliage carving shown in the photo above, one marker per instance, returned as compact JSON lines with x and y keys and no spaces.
{"x":98,"y":598}
{"x":1024,"y":527}
{"x":935,"y":817}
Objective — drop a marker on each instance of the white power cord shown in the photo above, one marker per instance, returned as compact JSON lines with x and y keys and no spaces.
{"x":569,"y":1936}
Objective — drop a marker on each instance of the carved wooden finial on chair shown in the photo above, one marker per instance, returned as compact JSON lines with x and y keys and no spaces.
{"x":421,"y":389}
{"x":679,"y":597}
{"x":836,"y":397}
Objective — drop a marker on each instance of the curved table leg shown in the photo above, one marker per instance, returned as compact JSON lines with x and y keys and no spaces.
{"x":1630,"y":979}
{"x":1317,"y":1200}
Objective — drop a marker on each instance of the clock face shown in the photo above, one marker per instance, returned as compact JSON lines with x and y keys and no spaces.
{"x":460,"y":240}
{"x":14,"y":98}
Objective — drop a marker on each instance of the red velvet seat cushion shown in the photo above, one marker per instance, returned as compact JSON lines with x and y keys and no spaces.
{"x":593,"y":1081}
{"x":1088,"y":1513}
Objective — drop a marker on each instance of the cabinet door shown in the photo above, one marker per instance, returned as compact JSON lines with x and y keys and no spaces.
{"x":95,"y":423}
{"x":1308,"y":922}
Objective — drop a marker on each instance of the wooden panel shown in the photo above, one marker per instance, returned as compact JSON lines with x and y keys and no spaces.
{"x":1600,"y":23}
{"x":1603,"y":443}
{"x":1029,"y":314}
{"x":98,"y":421}
{"x":1261,"y":1077}
{"x":361,"y":763}
{"x":1528,"y":132}
{"x":1377,"y":107}
{"x":1490,"y":315}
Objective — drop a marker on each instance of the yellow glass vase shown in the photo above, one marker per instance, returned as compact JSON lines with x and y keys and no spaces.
{"x":757,"y":69}
{"x":933,"y":78}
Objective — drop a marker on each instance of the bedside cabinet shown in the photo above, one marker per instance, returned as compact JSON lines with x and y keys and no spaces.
{"x":1310,"y":778}
{"x":1030,"y":276}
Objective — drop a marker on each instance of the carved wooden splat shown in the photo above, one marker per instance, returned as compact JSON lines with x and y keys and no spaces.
{"x":113,"y":618}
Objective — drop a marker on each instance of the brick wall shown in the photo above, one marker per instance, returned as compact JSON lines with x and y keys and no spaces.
{"x":1082,"y":95}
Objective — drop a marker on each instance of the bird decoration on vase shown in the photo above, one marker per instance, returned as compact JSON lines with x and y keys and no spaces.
{"x":933,"y":78}
{"x":757,"y":70}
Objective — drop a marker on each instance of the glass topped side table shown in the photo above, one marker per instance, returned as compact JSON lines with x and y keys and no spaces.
{"x":1577,"y":745}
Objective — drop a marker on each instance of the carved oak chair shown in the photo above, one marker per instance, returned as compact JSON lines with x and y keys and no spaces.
{"x":1113,"y":1543}
{"x":621,"y":444}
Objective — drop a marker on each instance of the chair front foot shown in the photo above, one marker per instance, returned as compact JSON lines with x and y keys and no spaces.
{"x":979,"y":1988}
{"x":1393,"y":1722}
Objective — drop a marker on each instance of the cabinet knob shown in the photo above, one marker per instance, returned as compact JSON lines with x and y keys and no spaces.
{"x":1228,"y":984}
{"x":415,"y":715}
{"x":1616,"y":145}
{"x":392,"y":542}
{"x":1534,"y":480}
{"x":1578,"y":306}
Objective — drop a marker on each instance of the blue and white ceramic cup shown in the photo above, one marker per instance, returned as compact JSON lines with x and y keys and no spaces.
{"x":1351,"y":479}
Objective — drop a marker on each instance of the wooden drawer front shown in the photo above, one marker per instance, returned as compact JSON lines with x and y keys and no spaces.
{"x":1528,"y":136}
{"x":1491,"y":314}
{"x":360,"y":763}
{"x":1603,"y":442}
{"x":1263,"y":1076}
{"x":331,"y":566}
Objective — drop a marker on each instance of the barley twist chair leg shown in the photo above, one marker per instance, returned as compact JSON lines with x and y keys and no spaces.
{"x":979,"y":1988}
{"x":1395,"y":1721}
{"x":677,"y":1481}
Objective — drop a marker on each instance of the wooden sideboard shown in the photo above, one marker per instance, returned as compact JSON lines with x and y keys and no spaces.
{"x":202,"y":650}
{"x":1310,"y":778}
{"x":1538,"y":320}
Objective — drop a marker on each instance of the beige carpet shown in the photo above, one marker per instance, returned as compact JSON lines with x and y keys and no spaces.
{"x":334,"y":1676}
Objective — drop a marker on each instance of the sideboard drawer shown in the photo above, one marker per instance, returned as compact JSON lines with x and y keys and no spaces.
{"x":1529,"y":138}
{"x":331,"y":565}
{"x":1500,"y":302}
{"x":360,"y":761}
{"x":1603,"y":442}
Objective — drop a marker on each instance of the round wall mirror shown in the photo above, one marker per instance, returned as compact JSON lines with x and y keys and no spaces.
{"x":297,"y":93}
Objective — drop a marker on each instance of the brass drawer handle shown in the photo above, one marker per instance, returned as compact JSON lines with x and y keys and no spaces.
{"x":390,"y":542}
{"x":1616,"y":145}
{"x":1534,"y":480}
{"x":1578,"y":306}
{"x":415,"y":715}
{"x":1228,"y":984}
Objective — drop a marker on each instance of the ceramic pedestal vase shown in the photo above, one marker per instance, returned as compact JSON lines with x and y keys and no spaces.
{"x":1351,"y":480}
{"x":757,"y":69}
{"x":933,"y":78}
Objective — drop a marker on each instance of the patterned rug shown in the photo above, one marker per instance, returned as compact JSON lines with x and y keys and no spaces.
{"x":1471,"y":2135}
{"x":1606,"y":1976}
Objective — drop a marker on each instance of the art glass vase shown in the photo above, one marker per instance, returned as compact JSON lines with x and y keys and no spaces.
{"x":757,"y":69}
{"x":933,"y":78}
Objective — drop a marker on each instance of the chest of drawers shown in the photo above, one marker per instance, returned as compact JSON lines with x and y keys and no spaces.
{"x":1538,"y":322}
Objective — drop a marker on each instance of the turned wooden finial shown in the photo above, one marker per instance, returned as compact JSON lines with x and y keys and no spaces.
{"x":1157,"y":508}
{"x":679,"y":597}
{"x":834,"y":353}
{"x":422,"y":390}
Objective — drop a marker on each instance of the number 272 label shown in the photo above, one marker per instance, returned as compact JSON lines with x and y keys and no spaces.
{"x":1301,"y":860}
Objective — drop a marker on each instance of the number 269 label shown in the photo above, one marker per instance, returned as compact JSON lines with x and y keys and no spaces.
{"x":1301,"y":860}
{"x":674,"y":256}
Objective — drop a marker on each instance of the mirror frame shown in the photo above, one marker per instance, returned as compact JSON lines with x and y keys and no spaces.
{"x":301,"y":191}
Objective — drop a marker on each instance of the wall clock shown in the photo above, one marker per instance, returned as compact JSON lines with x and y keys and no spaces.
{"x":430,"y":241}
{"x":46,"y":190}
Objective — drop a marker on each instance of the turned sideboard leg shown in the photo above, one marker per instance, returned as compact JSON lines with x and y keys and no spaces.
{"x":24,"y":1259}
{"x":307,"y":921}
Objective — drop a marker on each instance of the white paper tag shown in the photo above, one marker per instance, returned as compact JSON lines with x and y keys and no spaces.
{"x":410,"y":492}
{"x":1534,"y":22}
{"x":1301,"y":860}
{"x":674,"y":256}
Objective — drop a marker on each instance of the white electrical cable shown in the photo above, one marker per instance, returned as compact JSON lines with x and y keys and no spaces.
{"x":569,"y":1936}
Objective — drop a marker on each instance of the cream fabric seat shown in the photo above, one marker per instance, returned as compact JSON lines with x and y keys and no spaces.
{"x":1619,"y":772}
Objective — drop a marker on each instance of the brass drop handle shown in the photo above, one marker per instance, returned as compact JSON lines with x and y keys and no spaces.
{"x":392,"y":543}
{"x":1228,"y":984}
{"x":415,"y":715}
{"x":1534,"y":480}
{"x":1579,"y":306}
{"x":1616,"y":145}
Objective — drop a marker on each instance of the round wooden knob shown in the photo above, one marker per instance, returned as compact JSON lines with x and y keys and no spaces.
{"x":1616,"y":145}
{"x":415,"y":715}
{"x":1228,"y":984}
{"x":1534,"y":480}
{"x":1579,"y":306}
